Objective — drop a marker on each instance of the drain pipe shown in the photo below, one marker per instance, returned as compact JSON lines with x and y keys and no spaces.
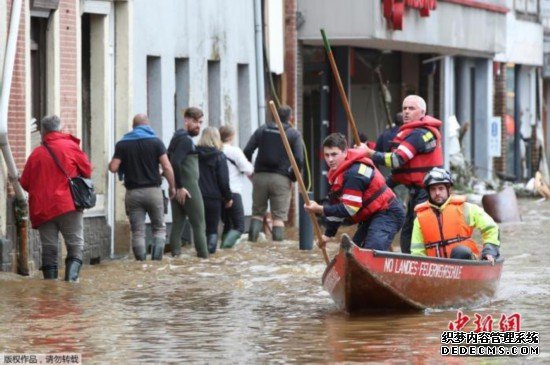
{"x":21,"y":206}
{"x":258,"y":27}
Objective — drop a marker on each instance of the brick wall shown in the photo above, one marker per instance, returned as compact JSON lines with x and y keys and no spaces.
{"x":17,"y":118}
{"x":291,"y":49}
{"x":499,"y":109}
{"x":97,"y":235}
{"x":68,"y":63}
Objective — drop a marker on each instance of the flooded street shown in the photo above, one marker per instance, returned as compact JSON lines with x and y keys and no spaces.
{"x":255,"y":304}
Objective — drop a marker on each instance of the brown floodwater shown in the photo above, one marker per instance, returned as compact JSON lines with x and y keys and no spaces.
{"x":257,"y":303}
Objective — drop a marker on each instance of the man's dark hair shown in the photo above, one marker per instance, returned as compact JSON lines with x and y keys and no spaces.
{"x":284,"y":112}
{"x":363,"y":137}
{"x":193,"y":113}
{"x":336,"y":140}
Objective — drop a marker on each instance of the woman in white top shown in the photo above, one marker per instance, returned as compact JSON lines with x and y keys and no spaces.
{"x":238,"y":165}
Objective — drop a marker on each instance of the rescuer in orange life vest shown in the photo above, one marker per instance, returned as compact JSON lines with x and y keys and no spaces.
{"x":358,"y":193}
{"x":415,"y":150}
{"x":444,"y":224}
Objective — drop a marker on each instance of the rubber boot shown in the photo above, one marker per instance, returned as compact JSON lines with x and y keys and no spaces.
{"x":278,"y":233}
{"x":212,"y":242}
{"x":231,"y":238}
{"x":49,"y":272}
{"x":72,"y":269}
{"x":158,"y":248}
{"x":254,"y":230}
{"x":139,"y":254}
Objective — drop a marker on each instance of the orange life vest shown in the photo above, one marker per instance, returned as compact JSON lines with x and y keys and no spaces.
{"x":412,"y":173}
{"x":375,"y":198}
{"x":445,"y":229}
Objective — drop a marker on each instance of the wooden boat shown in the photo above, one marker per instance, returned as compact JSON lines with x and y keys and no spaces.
{"x":368,"y":280}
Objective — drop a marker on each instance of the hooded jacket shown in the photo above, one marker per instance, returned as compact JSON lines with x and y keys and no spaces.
{"x":214,"y":175}
{"x":48,"y":187}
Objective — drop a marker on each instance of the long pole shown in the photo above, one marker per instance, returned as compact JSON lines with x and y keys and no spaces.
{"x":296,"y":170}
{"x":343,"y":95}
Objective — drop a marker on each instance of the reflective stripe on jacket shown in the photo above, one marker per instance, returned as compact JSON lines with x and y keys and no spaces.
{"x":446,"y":228}
{"x":413,"y":171}
{"x":375,"y":198}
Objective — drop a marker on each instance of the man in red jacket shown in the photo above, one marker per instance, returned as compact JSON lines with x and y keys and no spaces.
{"x":358,"y":194}
{"x":52,"y":209}
{"x":415,"y":150}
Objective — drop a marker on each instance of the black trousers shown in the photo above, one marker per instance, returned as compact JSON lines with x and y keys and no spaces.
{"x":212,"y":214}
{"x":233,"y":218}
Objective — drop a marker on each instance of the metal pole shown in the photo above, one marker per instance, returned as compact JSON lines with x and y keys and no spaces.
{"x":517,"y":123}
{"x":306,"y":229}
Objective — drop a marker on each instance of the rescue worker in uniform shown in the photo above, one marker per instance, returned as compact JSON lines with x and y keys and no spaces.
{"x":444,"y":224}
{"x":415,"y":150}
{"x":358,"y":193}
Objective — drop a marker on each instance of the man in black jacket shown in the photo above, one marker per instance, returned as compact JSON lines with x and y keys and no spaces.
{"x":272,"y":173}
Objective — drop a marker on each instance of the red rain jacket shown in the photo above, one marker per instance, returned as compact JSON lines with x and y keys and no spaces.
{"x":48,"y":188}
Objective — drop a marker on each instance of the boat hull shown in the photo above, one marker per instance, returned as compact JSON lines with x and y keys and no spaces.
{"x":367,"y":280}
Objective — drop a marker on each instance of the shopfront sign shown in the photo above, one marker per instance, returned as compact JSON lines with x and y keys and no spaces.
{"x":394,"y":10}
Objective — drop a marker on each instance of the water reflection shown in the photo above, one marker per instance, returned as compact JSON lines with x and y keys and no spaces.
{"x":254,"y":304}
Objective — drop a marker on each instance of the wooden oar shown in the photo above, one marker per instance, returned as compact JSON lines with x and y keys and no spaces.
{"x":343,"y":96}
{"x":296,"y":170}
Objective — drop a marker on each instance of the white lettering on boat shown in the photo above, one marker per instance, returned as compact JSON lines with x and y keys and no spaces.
{"x":425,"y":269}
{"x":388,"y":265}
{"x":332,"y":279}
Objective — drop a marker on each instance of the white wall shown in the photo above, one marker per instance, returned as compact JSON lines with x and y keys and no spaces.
{"x":451,"y":28}
{"x":200,"y":31}
{"x":524,"y":43}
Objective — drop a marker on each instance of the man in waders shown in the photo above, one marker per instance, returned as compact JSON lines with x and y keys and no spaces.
{"x":188,"y":202}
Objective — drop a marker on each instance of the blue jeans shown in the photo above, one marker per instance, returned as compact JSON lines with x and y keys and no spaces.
{"x":378,"y":231}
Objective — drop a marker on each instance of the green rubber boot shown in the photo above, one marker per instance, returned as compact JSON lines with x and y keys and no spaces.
{"x":254,"y":230}
{"x":158,"y":248}
{"x":139,"y":253}
{"x":49,"y":272}
{"x":230,"y":239}
{"x":72,"y":269}
{"x":278,"y":233}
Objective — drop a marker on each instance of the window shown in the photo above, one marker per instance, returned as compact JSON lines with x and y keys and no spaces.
{"x":181,"y":97}
{"x":38,"y":72}
{"x":243,"y":104}
{"x":214,"y":92}
{"x":154,"y":92}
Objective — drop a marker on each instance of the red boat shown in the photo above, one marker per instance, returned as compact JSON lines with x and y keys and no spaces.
{"x":368,"y":280}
